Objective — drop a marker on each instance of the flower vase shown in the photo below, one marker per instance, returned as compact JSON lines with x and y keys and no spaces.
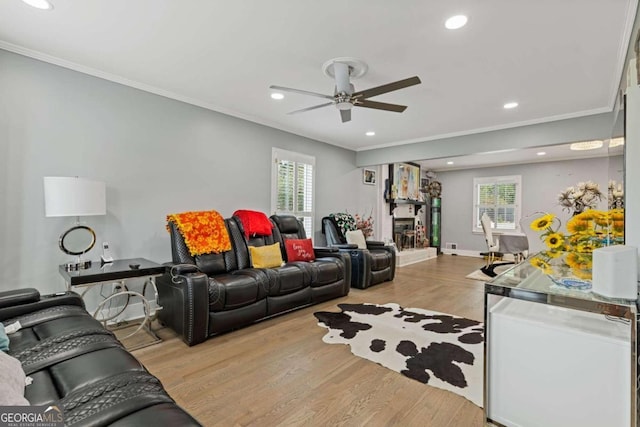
{"x":571,"y":270}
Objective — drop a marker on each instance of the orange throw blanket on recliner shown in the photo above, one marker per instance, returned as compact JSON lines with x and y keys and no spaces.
{"x":204,"y":232}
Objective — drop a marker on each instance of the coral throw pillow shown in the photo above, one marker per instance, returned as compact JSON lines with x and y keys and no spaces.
{"x":266,"y":256}
{"x":356,"y":237}
{"x":299,"y":250}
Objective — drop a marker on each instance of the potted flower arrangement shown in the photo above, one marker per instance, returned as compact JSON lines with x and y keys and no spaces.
{"x":585,"y":195}
{"x":365,"y":224}
{"x":568,"y":258}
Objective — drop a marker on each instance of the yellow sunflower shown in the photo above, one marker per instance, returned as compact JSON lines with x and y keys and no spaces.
{"x":554,"y":253}
{"x":543,"y":222}
{"x":541,"y":264}
{"x":617,"y":214}
{"x":588,"y":215}
{"x":602,"y":219}
{"x":579,"y":261}
{"x":554,"y":240}
{"x":578,"y":225}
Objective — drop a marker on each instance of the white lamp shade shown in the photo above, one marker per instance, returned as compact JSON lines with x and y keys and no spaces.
{"x":73,"y":196}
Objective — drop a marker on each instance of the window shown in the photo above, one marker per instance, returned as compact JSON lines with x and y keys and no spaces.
{"x":499,"y":197}
{"x":292,"y":178}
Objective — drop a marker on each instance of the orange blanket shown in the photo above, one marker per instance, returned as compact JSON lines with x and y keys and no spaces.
{"x":204,"y":232}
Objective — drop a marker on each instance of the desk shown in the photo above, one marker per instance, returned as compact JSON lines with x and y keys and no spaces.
{"x":514,"y":244}
{"x":118,"y":271}
{"x":557,"y":357}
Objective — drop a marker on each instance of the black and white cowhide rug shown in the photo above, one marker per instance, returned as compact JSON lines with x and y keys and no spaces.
{"x":434,"y":348}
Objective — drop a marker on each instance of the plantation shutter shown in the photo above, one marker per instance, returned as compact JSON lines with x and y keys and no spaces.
{"x":498,"y":197}
{"x":292,"y":191}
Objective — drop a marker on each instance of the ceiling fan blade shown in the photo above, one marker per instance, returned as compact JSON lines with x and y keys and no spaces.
{"x":381,"y":106}
{"x":345,"y":115}
{"x":311,"y":108}
{"x":300,"y":91}
{"x":389,"y":87}
{"x":341,"y":72}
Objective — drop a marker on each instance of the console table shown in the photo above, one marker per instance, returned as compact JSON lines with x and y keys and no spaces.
{"x":118,"y":272}
{"x":557,"y":357}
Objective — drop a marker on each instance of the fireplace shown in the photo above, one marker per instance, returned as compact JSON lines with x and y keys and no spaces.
{"x":404,"y":232}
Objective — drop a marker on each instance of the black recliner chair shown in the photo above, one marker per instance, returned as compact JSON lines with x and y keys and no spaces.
{"x":370,"y":266}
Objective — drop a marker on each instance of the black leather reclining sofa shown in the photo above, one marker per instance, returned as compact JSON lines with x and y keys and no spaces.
{"x":80,"y":367}
{"x":206,"y":295}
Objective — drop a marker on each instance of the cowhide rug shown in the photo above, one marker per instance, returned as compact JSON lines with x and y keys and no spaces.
{"x":437,"y":349}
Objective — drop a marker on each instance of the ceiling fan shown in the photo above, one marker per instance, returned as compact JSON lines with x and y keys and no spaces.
{"x":344,"y":96}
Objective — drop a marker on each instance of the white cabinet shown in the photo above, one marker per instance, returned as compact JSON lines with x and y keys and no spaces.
{"x":557,"y":357}
{"x":552,"y":366}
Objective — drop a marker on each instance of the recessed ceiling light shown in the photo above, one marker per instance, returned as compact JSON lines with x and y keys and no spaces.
{"x":541,"y":153}
{"x":39,"y":4}
{"x":370,"y":133}
{"x":510,"y":105}
{"x":277,"y":95}
{"x":586,"y":145}
{"x":455,"y":22}
{"x":449,"y":162}
{"x":616,"y":142}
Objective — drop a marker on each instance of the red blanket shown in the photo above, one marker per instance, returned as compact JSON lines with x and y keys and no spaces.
{"x":254,"y":223}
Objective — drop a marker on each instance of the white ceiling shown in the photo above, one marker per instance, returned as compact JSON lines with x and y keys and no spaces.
{"x":520,"y":156}
{"x":557,"y":58}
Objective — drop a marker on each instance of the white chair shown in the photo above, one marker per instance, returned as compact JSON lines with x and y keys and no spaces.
{"x":535,"y":243}
{"x":493,"y":246}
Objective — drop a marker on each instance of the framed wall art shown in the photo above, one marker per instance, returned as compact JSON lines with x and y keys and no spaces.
{"x":405,"y":180}
{"x":369,"y":176}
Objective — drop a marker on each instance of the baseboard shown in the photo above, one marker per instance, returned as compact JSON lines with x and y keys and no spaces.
{"x":461,"y":252}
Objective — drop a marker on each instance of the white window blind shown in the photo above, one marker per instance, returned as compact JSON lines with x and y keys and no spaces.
{"x":292,"y":186}
{"x":499,"y":198}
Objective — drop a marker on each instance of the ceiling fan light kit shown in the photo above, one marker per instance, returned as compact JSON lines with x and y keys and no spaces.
{"x":342,"y":70}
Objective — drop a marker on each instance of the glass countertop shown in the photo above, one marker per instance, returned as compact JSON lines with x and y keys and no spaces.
{"x":527,"y":282}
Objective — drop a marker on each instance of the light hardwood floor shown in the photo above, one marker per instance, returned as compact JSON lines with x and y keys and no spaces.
{"x":280,"y":373}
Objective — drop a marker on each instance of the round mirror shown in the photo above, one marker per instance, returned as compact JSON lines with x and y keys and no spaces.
{"x":77,"y":240}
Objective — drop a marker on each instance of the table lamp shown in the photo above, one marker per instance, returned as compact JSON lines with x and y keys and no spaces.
{"x":74,"y":196}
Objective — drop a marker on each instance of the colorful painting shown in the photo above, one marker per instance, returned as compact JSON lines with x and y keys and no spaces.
{"x":406,"y":178}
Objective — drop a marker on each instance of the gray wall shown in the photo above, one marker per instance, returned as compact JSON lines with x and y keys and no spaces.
{"x":156,"y":155}
{"x":541,"y":183}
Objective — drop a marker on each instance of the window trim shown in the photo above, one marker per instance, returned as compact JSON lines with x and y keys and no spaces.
{"x":282,"y":154}
{"x":517,"y":179}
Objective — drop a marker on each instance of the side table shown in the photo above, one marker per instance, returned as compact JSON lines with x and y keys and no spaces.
{"x":557,"y":357}
{"x":119,"y":271}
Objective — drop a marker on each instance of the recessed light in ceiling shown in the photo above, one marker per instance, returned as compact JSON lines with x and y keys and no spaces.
{"x":541,"y":153}
{"x":449,"y":162}
{"x":616,"y":142}
{"x":39,"y":4}
{"x":510,"y":105}
{"x":586,"y":145}
{"x":455,"y":22}
{"x":370,"y":133}
{"x":277,"y":95}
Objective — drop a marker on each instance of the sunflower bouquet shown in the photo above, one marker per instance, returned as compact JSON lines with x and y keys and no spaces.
{"x":570,"y":253}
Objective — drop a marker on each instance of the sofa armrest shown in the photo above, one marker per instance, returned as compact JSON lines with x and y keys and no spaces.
{"x":18,"y":297}
{"x":184,"y":298}
{"x":44,"y":301}
{"x":374,"y":244}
